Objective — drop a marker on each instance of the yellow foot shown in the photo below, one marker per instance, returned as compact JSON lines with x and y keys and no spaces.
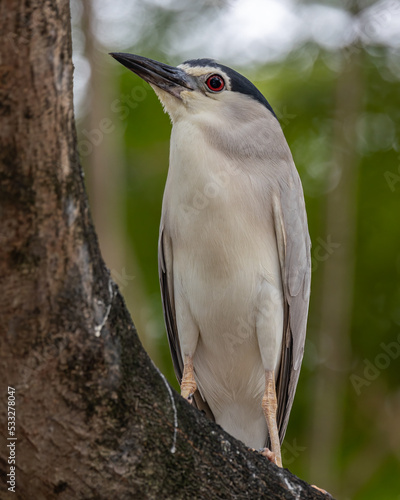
{"x":269,"y":405}
{"x":187,"y":394}
{"x":321,"y":490}
{"x":188,"y":384}
{"x":267,"y":453}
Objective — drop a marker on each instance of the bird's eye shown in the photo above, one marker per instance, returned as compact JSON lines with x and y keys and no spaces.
{"x":215,"y":83}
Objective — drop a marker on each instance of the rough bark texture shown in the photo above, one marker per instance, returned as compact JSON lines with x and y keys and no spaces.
{"x":95,"y":419}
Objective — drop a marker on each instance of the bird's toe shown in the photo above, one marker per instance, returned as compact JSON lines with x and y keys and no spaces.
{"x":321,"y":490}
{"x":266,"y":452}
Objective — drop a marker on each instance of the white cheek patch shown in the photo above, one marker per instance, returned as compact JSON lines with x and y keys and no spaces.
{"x":198,"y":71}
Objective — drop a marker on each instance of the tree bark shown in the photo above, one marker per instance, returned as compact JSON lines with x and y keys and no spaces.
{"x":94,"y":417}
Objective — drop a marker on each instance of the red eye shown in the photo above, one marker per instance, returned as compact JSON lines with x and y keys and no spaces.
{"x":215,"y":83}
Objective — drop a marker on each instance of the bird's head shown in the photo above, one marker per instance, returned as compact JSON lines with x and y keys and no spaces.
{"x":201,"y":88}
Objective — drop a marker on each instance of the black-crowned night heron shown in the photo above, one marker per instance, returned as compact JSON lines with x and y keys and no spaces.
{"x":234,"y":249}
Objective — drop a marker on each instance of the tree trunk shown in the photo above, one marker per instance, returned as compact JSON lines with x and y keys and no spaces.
{"x":94,"y":417}
{"x":338,"y":278}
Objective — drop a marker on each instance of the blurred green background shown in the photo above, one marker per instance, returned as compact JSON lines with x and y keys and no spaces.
{"x":331,"y":72}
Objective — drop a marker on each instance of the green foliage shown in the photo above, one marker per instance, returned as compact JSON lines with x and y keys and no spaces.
{"x":302,"y":91}
{"x":305,"y":104}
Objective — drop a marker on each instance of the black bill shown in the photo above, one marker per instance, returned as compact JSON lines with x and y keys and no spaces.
{"x":172,"y":80}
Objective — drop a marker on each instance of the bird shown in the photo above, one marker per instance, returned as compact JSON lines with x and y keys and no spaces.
{"x":234,"y":250}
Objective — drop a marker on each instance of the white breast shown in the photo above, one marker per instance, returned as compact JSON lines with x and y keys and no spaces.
{"x":227,"y":284}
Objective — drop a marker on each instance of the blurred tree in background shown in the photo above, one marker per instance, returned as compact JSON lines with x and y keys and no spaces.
{"x":331,"y":72}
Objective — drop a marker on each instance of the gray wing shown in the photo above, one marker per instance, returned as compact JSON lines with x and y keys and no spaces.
{"x":294,"y":246}
{"x":166,"y":273}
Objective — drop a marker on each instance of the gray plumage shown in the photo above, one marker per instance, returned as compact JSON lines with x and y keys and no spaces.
{"x":234,"y":249}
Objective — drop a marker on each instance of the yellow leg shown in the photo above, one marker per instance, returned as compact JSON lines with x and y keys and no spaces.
{"x":269,"y":406}
{"x":188,"y":384}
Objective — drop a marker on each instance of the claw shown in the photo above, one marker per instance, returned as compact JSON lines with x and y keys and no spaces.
{"x":267,"y":453}
{"x":188,"y":384}
{"x":321,"y":490}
